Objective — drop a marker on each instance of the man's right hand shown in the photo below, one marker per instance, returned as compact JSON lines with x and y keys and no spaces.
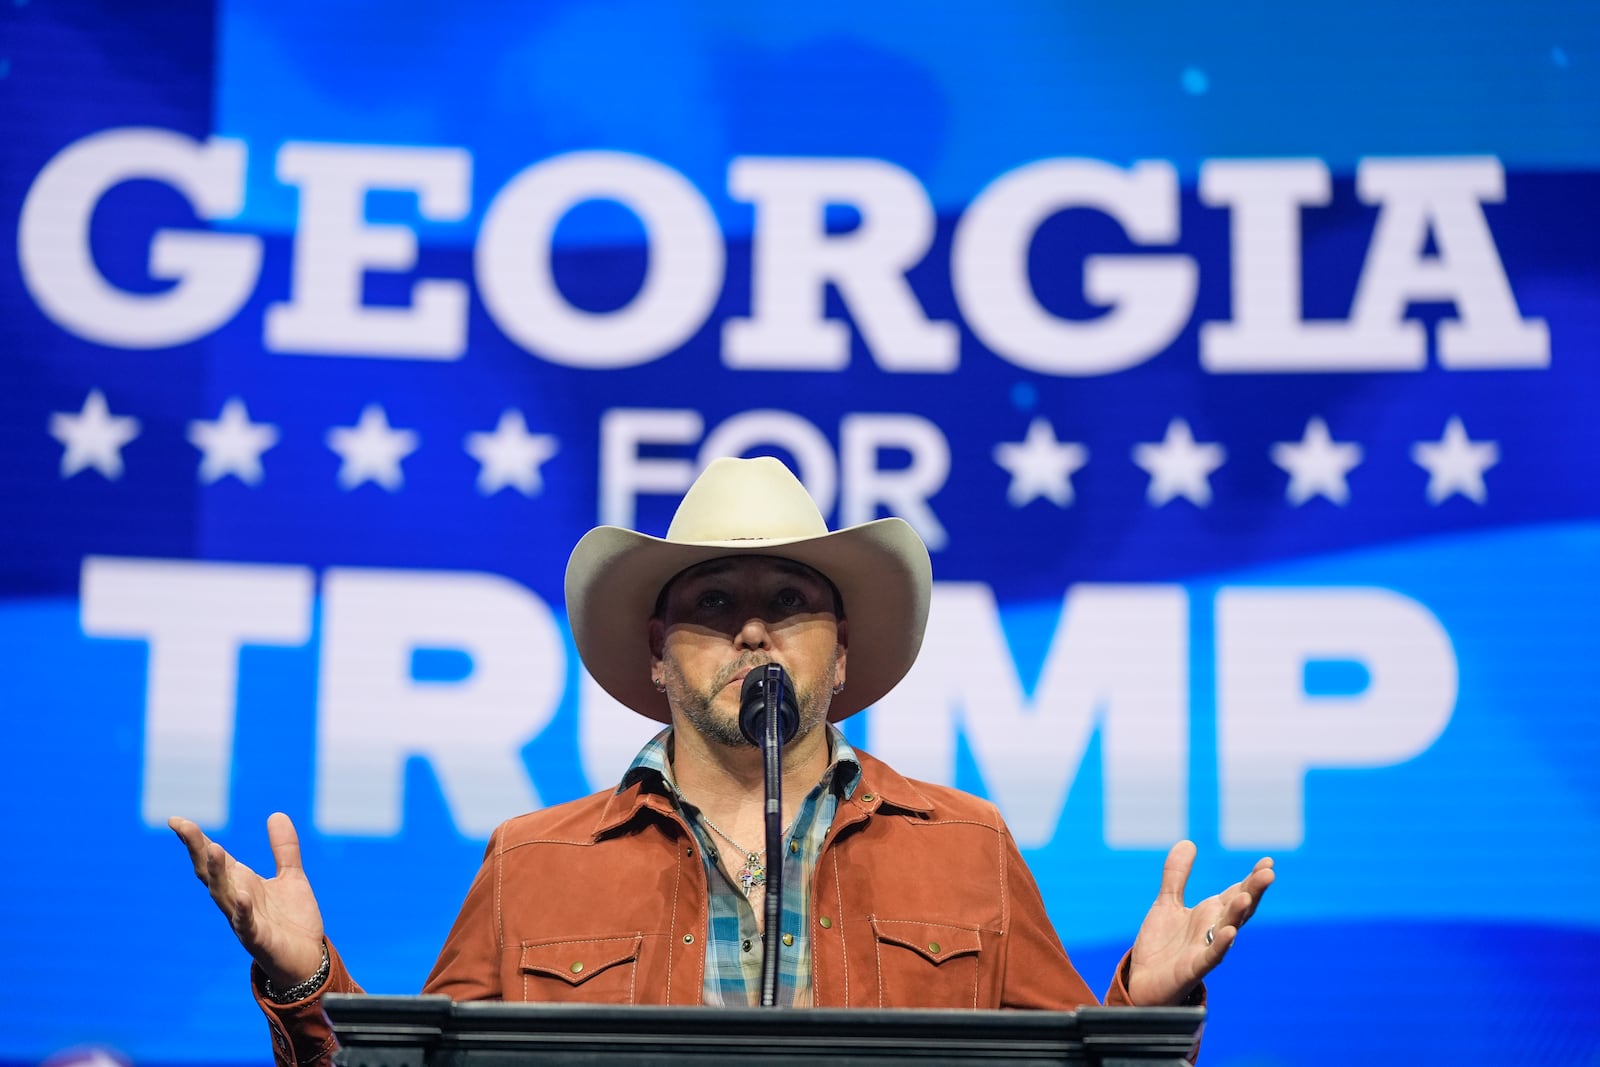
{"x":276,"y":919}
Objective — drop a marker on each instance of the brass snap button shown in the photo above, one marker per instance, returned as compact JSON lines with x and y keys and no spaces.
{"x":827,"y":923}
{"x":933,"y":947}
{"x":577,"y":965}
{"x":788,"y":939}
{"x":688,"y":939}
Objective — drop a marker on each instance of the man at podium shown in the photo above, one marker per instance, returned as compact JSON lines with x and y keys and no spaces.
{"x":895,"y":893}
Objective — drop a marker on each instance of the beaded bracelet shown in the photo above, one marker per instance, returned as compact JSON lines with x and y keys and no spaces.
{"x":304,"y":989}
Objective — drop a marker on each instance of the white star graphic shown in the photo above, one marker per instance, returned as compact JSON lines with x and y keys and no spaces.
{"x":232,"y":444}
{"x":93,"y":437}
{"x":1455,"y":463}
{"x":90,"y":1058}
{"x":1317,"y":464}
{"x":371,"y":450}
{"x":1179,"y":466}
{"x":1040,"y":465}
{"x":510,"y":456}
{"x":93,"y":1057}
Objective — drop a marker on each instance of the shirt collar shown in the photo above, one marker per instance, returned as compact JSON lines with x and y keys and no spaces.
{"x":652,"y":768}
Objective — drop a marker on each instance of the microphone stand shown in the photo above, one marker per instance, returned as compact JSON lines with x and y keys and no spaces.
{"x":772,"y":748}
{"x":767,"y":693}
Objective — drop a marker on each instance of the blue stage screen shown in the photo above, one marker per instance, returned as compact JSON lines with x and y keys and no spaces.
{"x":1237,"y":362}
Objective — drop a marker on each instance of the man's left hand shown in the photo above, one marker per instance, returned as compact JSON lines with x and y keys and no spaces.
{"x":1173,"y":951}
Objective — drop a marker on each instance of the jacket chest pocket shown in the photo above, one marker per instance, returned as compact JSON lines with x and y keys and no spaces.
{"x":597,"y":970}
{"x":926,"y":965}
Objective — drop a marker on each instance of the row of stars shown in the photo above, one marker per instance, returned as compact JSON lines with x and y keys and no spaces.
{"x":370,"y":451}
{"x":1041,"y":466}
{"x":1179,"y":466}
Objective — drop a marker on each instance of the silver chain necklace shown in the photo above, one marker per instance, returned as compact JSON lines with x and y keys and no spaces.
{"x":754,"y":871}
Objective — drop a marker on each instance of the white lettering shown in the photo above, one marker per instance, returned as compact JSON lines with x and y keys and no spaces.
{"x":195,"y":616}
{"x":795,"y":259}
{"x":335,"y":246}
{"x":904,"y":491}
{"x":1270,"y":731}
{"x":374,"y":715}
{"x":1119,"y":662}
{"x":1444,"y":196}
{"x":1267,"y":332}
{"x":1417,"y":197}
{"x":624,"y":473}
{"x":214,"y":272}
{"x":1150,"y":296}
{"x":1431,"y":244}
{"x":682,"y":279}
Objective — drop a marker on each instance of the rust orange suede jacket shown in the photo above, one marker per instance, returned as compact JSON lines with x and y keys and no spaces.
{"x":920,"y":899}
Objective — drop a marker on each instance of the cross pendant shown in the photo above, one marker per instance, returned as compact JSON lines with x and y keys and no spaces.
{"x":752,"y":874}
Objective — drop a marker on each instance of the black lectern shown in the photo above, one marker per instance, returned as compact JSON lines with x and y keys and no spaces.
{"x":438,"y":1032}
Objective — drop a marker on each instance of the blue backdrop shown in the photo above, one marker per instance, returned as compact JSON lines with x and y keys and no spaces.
{"x":1237,"y":362}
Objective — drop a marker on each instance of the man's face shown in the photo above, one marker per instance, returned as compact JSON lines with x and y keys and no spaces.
{"x":724,"y":618}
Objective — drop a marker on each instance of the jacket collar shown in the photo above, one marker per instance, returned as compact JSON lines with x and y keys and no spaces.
{"x":881,"y":785}
{"x":646,"y":786}
{"x":630,"y":802}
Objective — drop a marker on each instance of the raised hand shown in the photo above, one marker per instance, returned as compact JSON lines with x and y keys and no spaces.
{"x":1179,"y":946}
{"x":276,"y":919}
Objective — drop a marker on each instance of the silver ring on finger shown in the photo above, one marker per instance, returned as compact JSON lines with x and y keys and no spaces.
{"x":1211,"y":935}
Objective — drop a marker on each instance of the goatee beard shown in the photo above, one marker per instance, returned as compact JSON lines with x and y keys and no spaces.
{"x":696,"y":706}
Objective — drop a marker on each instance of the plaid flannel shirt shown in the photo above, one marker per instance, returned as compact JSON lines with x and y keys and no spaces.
{"x":733,"y":941}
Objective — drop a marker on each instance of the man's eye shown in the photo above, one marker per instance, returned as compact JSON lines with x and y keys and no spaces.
{"x":792,"y":599}
{"x":711,"y":601}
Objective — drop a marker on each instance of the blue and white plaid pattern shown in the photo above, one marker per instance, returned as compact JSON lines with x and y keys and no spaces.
{"x":733,"y":941}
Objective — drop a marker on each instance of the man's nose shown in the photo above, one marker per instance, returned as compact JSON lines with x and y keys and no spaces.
{"x":753,"y":634}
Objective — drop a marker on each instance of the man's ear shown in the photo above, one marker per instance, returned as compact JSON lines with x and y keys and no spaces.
{"x":844,"y":648}
{"x":658,"y":639}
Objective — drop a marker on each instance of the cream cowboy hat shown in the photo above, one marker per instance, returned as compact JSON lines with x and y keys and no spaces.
{"x":749,"y":507}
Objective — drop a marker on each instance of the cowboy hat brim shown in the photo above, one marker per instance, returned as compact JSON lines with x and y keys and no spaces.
{"x":880,"y":568}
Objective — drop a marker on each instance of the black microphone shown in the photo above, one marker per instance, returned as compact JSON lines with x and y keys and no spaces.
{"x":753,"y":704}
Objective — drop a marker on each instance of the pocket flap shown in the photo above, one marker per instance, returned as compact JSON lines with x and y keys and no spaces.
{"x":575,"y":961}
{"x":935,"y":942}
